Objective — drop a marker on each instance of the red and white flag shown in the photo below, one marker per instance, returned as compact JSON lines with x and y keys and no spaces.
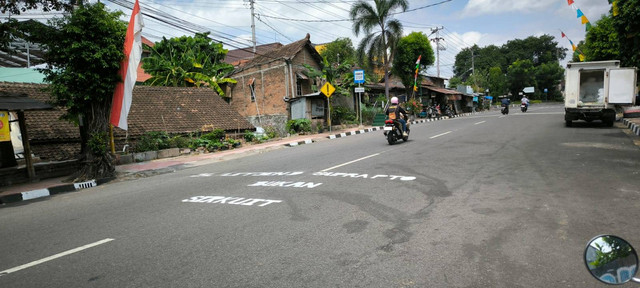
{"x":128,"y":70}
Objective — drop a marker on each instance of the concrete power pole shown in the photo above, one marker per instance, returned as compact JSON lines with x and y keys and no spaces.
{"x":253,"y":27}
{"x":438,"y":48}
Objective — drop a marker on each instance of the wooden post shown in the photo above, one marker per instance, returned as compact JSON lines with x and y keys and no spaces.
{"x":27,"y":148}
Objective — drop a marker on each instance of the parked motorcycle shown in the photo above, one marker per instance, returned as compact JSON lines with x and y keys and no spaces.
{"x":393,"y":131}
{"x":449,"y":111}
{"x":434,"y":112}
{"x":611,"y":260}
{"x":523,"y":107}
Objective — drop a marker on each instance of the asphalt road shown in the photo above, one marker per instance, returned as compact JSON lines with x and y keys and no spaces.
{"x":477,"y":201}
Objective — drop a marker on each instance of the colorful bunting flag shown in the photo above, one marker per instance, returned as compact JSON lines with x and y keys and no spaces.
{"x":563,"y":34}
{"x":581,"y":57}
{"x":570,"y":2}
{"x":588,"y":27}
{"x":584,"y":19}
{"x":616,"y":11}
{"x":415,"y":80}
{"x":580,"y":14}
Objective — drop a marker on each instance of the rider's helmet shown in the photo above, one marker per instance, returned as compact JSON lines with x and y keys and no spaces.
{"x":394,"y":100}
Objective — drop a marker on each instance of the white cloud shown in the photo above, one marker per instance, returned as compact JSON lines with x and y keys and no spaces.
{"x":480,"y":7}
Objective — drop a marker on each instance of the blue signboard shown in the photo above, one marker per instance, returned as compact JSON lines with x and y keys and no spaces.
{"x":358,"y":76}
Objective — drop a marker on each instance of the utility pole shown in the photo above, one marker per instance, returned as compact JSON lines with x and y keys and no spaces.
{"x":437,"y":40}
{"x":473,"y":67}
{"x":253,"y":27}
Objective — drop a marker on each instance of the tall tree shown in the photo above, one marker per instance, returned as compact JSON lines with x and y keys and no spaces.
{"x":408,"y":50}
{"x":186,"y":62}
{"x":497,"y":81}
{"x":10,"y":29}
{"x":627,"y":24}
{"x":521,"y":74}
{"x":601,"y":42}
{"x":378,"y":44}
{"x":549,"y":76}
{"x":84,"y":51}
{"x":339,"y":51}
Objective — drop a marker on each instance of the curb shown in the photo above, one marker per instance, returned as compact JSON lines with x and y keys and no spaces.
{"x":305,"y":141}
{"x":635,"y":128}
{"x":39,"y":193}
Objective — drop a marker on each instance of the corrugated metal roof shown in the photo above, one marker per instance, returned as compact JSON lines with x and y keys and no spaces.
{"x":20,"y":102}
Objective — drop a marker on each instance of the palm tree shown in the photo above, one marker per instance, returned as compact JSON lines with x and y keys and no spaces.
{"x":378,"y":44}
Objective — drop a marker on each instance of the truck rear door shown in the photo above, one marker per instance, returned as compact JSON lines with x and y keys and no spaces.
{"x":622,"y":86}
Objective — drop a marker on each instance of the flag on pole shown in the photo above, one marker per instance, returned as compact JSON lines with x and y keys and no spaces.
{"x":570,"y":2}
{"x":415,"y":78}
{"x":122,"y":96}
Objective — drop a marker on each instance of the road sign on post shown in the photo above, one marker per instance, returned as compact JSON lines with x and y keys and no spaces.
{"x":359,"y":89}
{"x":358,"y":76}
{"x":327,"y":89}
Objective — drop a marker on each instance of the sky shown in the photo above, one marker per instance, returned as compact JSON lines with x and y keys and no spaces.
{"x":463,"y":22}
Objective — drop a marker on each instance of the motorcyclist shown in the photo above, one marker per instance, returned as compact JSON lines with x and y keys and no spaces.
{"x":397,"y":113}
{"x":505,"y":103}
{"x":525,"y":101}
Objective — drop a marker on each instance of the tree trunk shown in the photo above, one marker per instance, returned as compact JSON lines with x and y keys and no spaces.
{"x":96,"y":163}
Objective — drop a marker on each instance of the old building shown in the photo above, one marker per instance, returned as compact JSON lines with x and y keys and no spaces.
{"x":274,"y":86}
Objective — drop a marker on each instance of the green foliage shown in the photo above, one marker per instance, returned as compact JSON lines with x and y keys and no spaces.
{"x":97,"y":143}
{"x":153,"y":141}
{"x":179,"y":142}
{"x":626,"y":25}
{"x":342,"y":47}
{"x":342,"y":115}
{"x":413,"y":107}
{"x":15,"y":7}
{"x":520,"y":74}
{"x":408,"y":50}
{"x":84,"y":54}
{"x":369,"y":113}
{"x":298,"y":125}
{"x":270,"y":132}
{"x":549,"y":76}
{"x":188,"y":61}
{"x":216,"y":135}
{"x":601,"y":42}
{"x":497,"y":82}
{"x":248,"y":136}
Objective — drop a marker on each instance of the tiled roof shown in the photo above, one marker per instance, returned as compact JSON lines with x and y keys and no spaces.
{"x":285,"y":52}
{"x":239,"y":56}
{"x":42,"y":125}
{"x":180,"y":110}
{"x":170,"y":109}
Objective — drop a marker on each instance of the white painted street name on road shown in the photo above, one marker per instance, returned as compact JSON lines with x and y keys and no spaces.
{"x":230,"y":200}
{"x":364,"y":176}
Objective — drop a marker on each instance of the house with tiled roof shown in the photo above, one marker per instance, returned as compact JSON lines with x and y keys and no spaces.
{"x":238,"y":57}
{"x":169,"y":109}
{"x":274,"y":87}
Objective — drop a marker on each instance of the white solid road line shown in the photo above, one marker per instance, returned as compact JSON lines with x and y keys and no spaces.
{"x":479,"y":122}
{"x":445,"y":133}
{"x":350,"y":162}
{"x":65,"y":253}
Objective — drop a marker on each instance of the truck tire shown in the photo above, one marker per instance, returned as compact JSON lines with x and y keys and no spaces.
{"x":568,"y":123}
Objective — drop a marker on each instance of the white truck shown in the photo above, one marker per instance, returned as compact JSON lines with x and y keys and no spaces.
{"x":593,"y":89}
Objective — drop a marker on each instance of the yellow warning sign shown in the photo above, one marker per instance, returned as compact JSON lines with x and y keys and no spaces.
{"x":327,"y":89}
{"x":5,"y":134}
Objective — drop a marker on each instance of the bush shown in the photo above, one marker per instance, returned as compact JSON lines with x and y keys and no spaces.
{"x":153,"y":141}
{"x":369,"y":113}
{"x":179,"y":142}
{"x":215,"y":135}
{"x":298,"y":125}
{"x":270,"y":132}
{"x":248,"y":136}
{"x":342,"y":115}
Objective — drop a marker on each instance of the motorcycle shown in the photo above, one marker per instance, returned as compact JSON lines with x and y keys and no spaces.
{"x":523,"y":107}
{"x":392,"y":130}
{"x":449,"y":111}
{"x":611,"y":260}
{"x":434,"y":112}
{"x":505,"y":109}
